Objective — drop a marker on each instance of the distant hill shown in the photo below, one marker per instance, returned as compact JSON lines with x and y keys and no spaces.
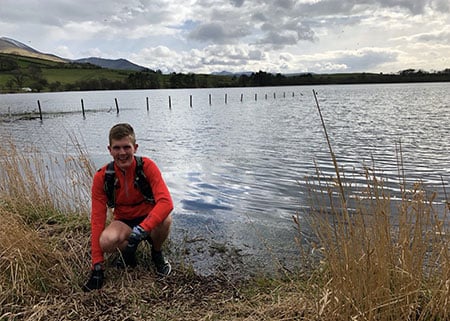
{"x":118,"y":64}
{"x":227,"y":73}
{"x":11,"y":46}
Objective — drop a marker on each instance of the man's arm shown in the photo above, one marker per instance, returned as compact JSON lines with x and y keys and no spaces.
{"x":98,"y":216}
{"x":163,"y":200}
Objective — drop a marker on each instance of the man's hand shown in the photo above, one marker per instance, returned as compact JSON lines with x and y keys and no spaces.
{"x":137,"y":234}
{"x":95,"y":282}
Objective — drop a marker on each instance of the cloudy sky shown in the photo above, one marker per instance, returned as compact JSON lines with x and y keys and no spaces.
{"x":204,"y":36}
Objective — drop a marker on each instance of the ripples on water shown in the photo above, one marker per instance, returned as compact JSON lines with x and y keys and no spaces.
{"x":236,"y":170}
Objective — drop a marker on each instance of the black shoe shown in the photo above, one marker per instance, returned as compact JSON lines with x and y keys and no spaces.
{"x":127,"y":258}
{"x":95,"y":282}
{"x":163,"y":267}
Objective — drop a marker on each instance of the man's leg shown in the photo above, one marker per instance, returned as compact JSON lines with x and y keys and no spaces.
{"x":160,"y":233}
{"x":115,"y":236}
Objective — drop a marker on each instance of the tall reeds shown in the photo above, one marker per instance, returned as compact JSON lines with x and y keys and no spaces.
{"x":34,"y":182}
{"x":380,"y":259}
{"x":43,"y":224}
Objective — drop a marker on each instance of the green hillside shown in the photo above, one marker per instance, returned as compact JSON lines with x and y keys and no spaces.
{"x":19,"y":73}
{"x":68,"y":76}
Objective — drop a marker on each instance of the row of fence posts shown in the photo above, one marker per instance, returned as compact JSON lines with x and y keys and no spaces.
{"x":170,"y":102}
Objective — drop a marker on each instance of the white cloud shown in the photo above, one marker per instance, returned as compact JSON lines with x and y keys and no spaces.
{"x":236,"y":35}
{"x":437,"y":37}
{"x":64,"y":51}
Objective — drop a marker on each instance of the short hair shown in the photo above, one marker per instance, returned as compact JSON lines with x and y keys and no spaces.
{"x":121,"y":130}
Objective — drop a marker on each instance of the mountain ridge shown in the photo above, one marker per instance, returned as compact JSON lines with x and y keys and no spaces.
{"x":118,"y":64}
{"x":15,"y":47}
{"x":6,"y":43}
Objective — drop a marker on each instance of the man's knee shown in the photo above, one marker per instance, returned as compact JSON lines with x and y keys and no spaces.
{"x":111,"y":240}
{"x":160,"y":232}
{"x":167,"y":222}
{"x":163,"y":228}
{"x":114,"y":235}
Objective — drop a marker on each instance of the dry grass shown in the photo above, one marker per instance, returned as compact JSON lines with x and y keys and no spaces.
{"x":378,"y":265}
{"x":40,"y":242}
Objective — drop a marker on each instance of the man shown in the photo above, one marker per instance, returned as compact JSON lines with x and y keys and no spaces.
{"x":141,"y":203}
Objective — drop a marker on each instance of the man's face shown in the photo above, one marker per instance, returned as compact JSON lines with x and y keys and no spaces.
{"x":123,"y":151}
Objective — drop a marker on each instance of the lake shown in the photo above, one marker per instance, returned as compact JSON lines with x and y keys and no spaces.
{"x":235,"y":159}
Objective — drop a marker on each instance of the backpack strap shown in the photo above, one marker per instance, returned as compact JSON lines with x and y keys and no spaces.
{"x":141,"y":181}
{"x":110,"y":185}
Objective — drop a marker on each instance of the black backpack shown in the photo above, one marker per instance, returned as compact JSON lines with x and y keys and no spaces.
{"x":140,"y":181}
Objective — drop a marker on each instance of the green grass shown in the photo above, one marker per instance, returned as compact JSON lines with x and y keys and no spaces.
{"x":4,"y":77}
{"x":25,"y":62}
{"x":65,"y":76}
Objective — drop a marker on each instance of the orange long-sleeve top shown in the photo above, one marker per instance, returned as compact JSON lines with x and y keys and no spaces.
{"x":129,"y":201}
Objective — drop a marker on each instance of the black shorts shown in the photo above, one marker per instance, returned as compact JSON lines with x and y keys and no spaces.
{"x":134,"y":221}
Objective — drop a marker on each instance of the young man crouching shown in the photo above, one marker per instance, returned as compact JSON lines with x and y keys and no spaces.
{"x":133,"y":186}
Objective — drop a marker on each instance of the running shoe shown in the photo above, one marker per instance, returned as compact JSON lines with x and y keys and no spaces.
{"x":163,"y":267}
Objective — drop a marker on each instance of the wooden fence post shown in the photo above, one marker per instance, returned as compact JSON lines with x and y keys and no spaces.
{"x":40,"y":110}
{"x":82,"y":108}
{"x":117,"y":105}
